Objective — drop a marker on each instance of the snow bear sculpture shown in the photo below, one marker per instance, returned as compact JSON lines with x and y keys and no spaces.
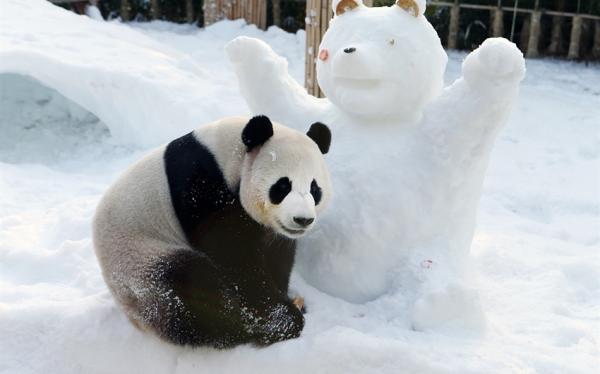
{"x":197,"y":240}
{"x":409,"y":158}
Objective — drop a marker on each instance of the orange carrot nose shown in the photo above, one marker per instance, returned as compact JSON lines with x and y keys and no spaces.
{"x":323,"y":55}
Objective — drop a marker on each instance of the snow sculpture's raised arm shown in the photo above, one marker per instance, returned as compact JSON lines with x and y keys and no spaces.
{"x":469,"y":112}
{"x":462,"y":125}
{"x":266,"y":85}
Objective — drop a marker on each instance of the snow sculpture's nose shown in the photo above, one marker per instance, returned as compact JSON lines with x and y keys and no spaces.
{"x":360,"y":62}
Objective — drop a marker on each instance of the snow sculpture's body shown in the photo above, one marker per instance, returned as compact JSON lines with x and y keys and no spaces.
{"x":410,"y":156}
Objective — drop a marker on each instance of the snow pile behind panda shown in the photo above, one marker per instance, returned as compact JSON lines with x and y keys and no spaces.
{"x":73,"y":91}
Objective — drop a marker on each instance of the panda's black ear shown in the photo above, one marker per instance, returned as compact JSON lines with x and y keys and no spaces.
{"x":321,"y":135}
{"x":256,"y":132}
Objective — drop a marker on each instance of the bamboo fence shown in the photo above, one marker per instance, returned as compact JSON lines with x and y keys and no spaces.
{"x":253,"y":11}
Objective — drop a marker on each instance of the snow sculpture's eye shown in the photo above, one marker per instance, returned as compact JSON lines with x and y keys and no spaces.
{"x":280,"y":190}
{"x":391,"y":41}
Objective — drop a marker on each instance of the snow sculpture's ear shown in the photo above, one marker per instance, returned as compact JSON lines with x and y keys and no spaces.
{"x":321,"y":135}
{"x":256,"y":132}
{"x":413,"y":7}
{"x":342,"y":6}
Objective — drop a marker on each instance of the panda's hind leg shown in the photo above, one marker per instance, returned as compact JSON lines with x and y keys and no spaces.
{"x":189,"y":302}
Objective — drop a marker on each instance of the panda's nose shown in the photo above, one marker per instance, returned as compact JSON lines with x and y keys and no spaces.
{"x":349,"y":49}
{"x":302,"y":221}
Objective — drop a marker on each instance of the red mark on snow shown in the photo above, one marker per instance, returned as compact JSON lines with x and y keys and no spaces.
{"x":426,"y":264}
{"x":323,"y":55}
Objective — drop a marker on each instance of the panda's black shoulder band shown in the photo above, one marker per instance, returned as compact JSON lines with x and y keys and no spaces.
{"x":256,"y":132}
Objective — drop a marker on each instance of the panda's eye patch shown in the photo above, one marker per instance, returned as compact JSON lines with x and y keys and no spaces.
{"x":280,"y":190}
{"x":316,"y":192}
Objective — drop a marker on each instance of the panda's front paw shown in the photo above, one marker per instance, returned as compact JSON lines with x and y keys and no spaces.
{"x":244,"y":49}
{"x":285,"y":321}
{"x":496,"y":62}
{"x":454,"y":306}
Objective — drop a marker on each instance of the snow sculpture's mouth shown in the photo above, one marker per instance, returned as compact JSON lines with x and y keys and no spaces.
{"x":357,"y":83}
{"x":39,"y":125}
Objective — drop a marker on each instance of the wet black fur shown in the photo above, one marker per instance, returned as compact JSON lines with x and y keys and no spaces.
{"x":232,"y":289}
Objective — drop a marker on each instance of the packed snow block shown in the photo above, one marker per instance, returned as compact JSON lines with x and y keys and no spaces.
{"x":124,"y":78}
{"x":409,"y":159}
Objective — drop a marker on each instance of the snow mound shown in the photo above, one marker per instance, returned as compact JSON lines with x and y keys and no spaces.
{"x":112,"y":71}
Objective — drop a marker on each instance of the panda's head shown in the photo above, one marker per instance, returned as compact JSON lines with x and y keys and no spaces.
{"x":284,"y":182}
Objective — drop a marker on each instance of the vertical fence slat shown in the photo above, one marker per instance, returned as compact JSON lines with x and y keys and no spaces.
{"x":155,"y":9}
{"x":189,"y":11}
{"x":596,"y":47}
{"x":253,"y":11}
{"x":575,"y":38}
{"x":125,"y":10}
{"x":534,"y":34}
{"x":317,"y":20}
{"x":497,"y":22}
{"x":454,"y":24}
{"x":556,"y":35}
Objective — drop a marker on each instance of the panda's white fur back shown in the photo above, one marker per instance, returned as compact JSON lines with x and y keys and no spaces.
{"x":134,"y":224}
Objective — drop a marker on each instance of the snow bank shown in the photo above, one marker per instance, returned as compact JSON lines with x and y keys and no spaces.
{"x":535,"y":253}
{"x":116,"y":73}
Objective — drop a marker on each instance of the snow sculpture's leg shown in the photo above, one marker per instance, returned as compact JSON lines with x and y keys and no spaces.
{"x":266,"y":85}
{"x":462,"y":126}
{"x":445,"y":299}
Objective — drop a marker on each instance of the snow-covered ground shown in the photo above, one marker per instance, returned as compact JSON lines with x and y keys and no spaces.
{"x":116,"y":90}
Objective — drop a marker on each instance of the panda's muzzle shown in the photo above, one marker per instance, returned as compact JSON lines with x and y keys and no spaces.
{"x":294,"y":232}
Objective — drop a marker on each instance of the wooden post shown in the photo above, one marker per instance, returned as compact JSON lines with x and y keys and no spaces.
{"x":575,"y":38}
{"x":262,"y":12}
{"x":556,"y":43}
{"x":524,"y":40}
{"x":514,"y":21}
{"x":155,"y":9}
{"x":534,"y":34}
{"x":277,"y":13}
{"x":313,"y":30}
{"x":189,"y":11}
{"x":498,"y":22}
{"x":210,"y":12}
{"x":318,"y":14}
{"x":454,"y":24}
{"x":596,"y":47}
{"x":125,"y":10}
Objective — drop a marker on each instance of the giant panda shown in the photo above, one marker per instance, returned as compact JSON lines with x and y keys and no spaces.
{"x":196,"y":241}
